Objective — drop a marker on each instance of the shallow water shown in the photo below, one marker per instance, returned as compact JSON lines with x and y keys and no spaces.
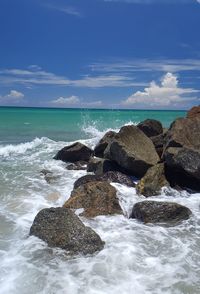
{"x":137,"y":258}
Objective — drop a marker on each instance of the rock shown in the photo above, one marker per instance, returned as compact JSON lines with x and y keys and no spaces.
{"x":183,"y":167}
{"x":74,"y":153}
{"x":132,"y":150}
{"x":79,"y":165}
{"x":100,"y":166}
{"x":49,"y":177}
{"x":111,"y":176}
{"x":184,"y":132}
{"x":97,"y":198}
{"x":153,"y":181}
{"x":194,"y":112}
{"x":160,"y":212}
{"x":103,"y":143}
{"x":53,"y":196}
{"x":60,"y":227}
{"x":151,"y":127}
{"x":159,"y":142}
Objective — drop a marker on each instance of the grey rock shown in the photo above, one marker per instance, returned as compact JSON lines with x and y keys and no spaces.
{"x":151,"y":127}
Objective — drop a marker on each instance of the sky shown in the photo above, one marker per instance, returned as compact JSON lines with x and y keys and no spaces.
{"x":134,"y":54}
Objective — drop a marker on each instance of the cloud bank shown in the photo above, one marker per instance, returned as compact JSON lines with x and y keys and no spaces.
{"x":167,"y":94}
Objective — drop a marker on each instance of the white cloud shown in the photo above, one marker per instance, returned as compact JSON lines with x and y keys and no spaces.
{"x":12,"y":97}
{"x":168,"y":94}
{"x":147,"y":65}
{"x":66,"y":101}
{"x":36,"y":76}
{"x":65,"y":9}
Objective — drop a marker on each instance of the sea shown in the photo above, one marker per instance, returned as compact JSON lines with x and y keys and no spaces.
{"x":136,"y":259}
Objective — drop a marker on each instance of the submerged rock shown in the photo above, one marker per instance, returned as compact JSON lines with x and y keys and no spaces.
{"x":111,"y":176}
{"x":153,"y":181}
{"x":60,"y":227}
{"x":79,"y":165}
{"x":103,"y":143}
{"x":97,"y":198}
{"x":160,"y":212}
{"x":73,"y":153}
{"x":151,"y":127}
{"x":132,"y":150}
{"x":49,"y":176}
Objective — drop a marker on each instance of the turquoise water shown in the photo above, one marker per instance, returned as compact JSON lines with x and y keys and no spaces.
{"x":24,"y":124}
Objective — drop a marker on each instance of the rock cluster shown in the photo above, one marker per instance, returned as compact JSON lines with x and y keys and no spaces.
{"x":155,"y":156}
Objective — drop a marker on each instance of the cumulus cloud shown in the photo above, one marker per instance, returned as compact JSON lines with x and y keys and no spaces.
{"x":167,"y":94}
{"x":12,"y":97}
{"x":66,"y":101}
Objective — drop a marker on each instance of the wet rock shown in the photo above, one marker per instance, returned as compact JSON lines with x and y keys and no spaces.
{"x":100,"y":166}
{"x":60,"y":227}
{"x":132,"y":150}
{"x":160,"y":212}
{"x":49,"y":176}
{"x":183,"y":167}
{"x":153,"y":181}
{"x":73,"y":153}
{"x":111,"y":176}
{"x":184,"y":132}
{"x":103,"y":143}
{"x":97,"y":198}
{"x":151,"y":127}
{"x":79,"y":165}
{"x":194,"y":112}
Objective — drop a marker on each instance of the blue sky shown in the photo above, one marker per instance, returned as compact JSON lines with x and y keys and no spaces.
{"x":100,"y":53}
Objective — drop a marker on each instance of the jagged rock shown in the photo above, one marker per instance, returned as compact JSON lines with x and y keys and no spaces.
{"x":100,"y":166}
{"x":183,"y":167}
{"x":79,"y":165}
{"x":194,"y":112}
{"x":74,"y":152}
{"x":160,"y":212}
{"x":132,"y":150}
{"x":151,"y":127}
{"x":60,"y":227}
{"x":103,"y":143}
{"x":184,"y":132}
{"x":153,"y":181}
{"x":111,"y":176}
{"x":97,"y":198}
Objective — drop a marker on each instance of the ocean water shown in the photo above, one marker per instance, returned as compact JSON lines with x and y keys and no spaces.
{"x":137,"y":258}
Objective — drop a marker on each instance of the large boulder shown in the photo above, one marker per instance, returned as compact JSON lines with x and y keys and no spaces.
{"x":74,"y":152}
{"x":160,"y":212}
{"x":151,"y":127}
{"x":153,"y":181}
{"x":103,"y":143}
{"x":97,"y":198}
{"x":184,"y":132}
{"x":100,"y":166}
{"x":132,"y":150}
{"x":60,"y":227}
{"x":183,"y":167}
{"x":194,"y":112}
{"x":111,"y":176}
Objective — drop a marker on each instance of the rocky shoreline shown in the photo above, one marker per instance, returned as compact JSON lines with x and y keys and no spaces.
{"x":145,"y":156}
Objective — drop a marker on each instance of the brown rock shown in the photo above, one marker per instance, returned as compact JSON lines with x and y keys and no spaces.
{"x":194,"y":112}
{"x":153,"y":181}
{"x":97,"y":198}
{"x":100,"y":166}
{"x":151,"y":127}
{"x":103,"y":143}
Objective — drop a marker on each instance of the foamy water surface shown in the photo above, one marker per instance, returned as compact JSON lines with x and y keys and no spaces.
{"x":137,"y":258}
